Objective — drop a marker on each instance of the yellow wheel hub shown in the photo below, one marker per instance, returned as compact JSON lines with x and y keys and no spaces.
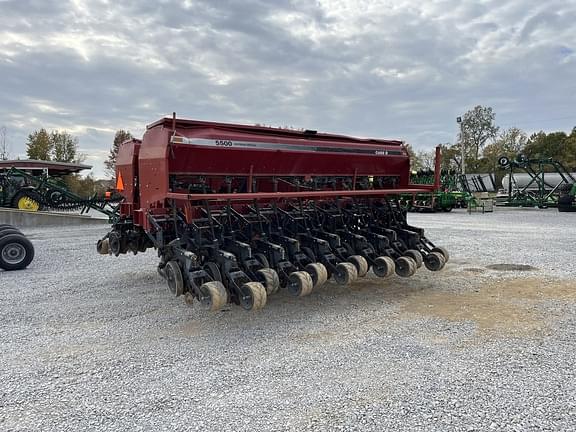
{"x":28,"y":204}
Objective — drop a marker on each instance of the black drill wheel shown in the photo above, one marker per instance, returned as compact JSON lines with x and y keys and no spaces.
{"x":173,"y":276}
{"x":360,"y":263}
{"x":16,"y":252}
{"x":443,"y":252}
{"x":416,"y":256}
{"x":300,"y":284}
{"x":345,"y":273}
{"x":318,"y":273}
{"x":269,"y":278}
{"x":213,"y":296}
{"x":405,"y":266}
{"x":253,"y":296}
{"x":434,"y":261}
{"x":383,"y":266}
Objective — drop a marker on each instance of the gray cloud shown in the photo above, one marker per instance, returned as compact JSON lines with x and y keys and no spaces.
{"x":382,"y":68}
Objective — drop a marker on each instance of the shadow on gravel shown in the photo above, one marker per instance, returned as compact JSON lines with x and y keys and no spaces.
{"x":511,"y":267}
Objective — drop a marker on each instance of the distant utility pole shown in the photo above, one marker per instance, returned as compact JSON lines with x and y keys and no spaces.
{"x":463,"y":146}
{"x":3,"y":145}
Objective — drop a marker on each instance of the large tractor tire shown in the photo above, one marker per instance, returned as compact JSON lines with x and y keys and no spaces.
{"x":24,"y":200}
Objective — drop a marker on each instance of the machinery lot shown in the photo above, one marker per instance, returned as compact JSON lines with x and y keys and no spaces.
{"x":96,"y":343}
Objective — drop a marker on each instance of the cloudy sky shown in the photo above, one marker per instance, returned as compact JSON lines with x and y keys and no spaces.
{"x":383,"y":68}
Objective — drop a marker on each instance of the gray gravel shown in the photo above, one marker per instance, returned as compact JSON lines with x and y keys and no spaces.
{"x":96,"y":343}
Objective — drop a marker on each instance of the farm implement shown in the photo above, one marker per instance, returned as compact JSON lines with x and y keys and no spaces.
{"x":237,"y":213}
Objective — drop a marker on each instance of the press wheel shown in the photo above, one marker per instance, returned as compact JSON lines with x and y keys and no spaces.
{"x":269,"y":279}
{"x":318,"y":273}
{"x":443,"y":251}
{"x":416,"y":256}
{"x":405,"y":266}
{"x":434,"y":261}
{"x":253,"y":296}
{"x":383,"y":266}
{"x":360,"y":263}
{"x":300,"y":284}
{"x":345,"y":273}
{"x":213,"y":296}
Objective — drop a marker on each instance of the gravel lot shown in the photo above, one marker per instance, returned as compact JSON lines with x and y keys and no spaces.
{"x":96,"y":343}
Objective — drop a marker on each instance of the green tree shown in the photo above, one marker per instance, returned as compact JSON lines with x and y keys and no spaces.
{"x":39,"y":145}
{"x":64,"y":146}
{"x":510,"y":143}
{"x":555,"y":145}
{"x":110,"y":163}
{"x":477,"y":129}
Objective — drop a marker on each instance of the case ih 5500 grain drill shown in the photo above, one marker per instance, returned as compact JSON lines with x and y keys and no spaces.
{"x":238,"y":212}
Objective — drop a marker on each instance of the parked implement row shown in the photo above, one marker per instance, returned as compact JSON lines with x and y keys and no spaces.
{"x":16,"y":251}
{"x":238,"y":212}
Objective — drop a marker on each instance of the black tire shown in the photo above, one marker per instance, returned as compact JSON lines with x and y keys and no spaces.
{"x":405,"y":266}
{"x":443,"y":252}
{"x":16,"y":252}
{"x":6,"y":231}
{"x":6,"y":226}
{"x":384,"y":266}
{"x":416,"y":256}
{"x":213,"y":296}
{"x":345,"y":274}
{"x":26,"y":194}
{"x":300,"y":284}
{"x":174,"y":278}
{"x":434,"y":261}
{"x":253,"y":296}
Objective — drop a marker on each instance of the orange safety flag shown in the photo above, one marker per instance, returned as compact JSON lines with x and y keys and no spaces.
{"x":119,"y":182}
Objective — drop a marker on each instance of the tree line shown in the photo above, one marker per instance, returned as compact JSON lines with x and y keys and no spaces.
{"x":484,"y":142}
{"x":61,"y":146}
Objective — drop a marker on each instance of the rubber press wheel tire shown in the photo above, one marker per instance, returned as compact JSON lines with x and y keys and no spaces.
{"x":16,"y":252}
{"x":213,"y":296}
{"x":434,"y":261}
{"x":416,"y":256}
{"x":318,"y":273}
{"x":300,"y":284}
{"x":174,"y":278}
{"x":443,"y":252}
{"x":6,"y":231}
{"x":384,"y":266}
{"x":345,"y":273}
{"x":405,"y":266}
{"x":6,"y":226}
{"x":253,"y":296}
{"x":360,"y":263}
{"x":269,"y":278}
